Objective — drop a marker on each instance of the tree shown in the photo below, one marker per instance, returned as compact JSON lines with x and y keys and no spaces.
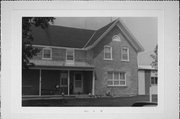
{"x":155,"y":57}
{"x":27,"y":50}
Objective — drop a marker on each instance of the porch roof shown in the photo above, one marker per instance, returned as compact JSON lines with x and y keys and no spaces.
{"x":61,"y":65}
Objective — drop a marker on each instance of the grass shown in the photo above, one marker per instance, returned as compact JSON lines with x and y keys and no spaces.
{"x":88,"y":102}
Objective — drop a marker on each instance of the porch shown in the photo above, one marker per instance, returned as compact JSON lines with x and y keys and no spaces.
{"x":57,"y":82}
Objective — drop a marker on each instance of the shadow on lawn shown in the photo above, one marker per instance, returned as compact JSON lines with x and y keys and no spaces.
{"x":88,"y":102}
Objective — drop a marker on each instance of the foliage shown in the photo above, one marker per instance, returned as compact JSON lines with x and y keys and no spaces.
{"x":27,"y":50}
{"x":155,"y":57}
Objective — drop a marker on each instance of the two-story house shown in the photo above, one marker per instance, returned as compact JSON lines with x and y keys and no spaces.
{"x":80,"y":61}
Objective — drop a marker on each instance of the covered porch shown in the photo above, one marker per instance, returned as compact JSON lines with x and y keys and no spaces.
{"x":69,"y":81}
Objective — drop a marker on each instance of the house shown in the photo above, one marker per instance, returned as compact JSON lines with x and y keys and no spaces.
{"x":75,"y":61}
{"x":148,"y":81}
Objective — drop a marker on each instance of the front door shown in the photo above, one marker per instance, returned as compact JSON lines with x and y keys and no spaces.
{"x":78,"y":82}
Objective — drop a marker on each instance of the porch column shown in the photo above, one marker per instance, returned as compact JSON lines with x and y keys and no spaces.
{"x":40,"y":82}
{"x":93,"y":83}
{"x":68,"y":82}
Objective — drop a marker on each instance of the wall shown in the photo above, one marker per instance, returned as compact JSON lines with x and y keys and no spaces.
{"x":103,"y":66}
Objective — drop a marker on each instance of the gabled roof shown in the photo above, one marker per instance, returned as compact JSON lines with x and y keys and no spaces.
{"x":103,"y":31}
{"x":61,"y":36}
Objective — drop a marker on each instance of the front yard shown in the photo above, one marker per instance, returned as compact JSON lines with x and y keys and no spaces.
{"x":103,"y":101}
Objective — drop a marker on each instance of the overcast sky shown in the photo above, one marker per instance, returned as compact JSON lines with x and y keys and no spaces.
{"x":143,"y":28}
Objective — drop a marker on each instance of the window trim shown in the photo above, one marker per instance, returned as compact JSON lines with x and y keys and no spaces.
{"x":119,"y":72}
{"x":118,"y":38}
{"x":50,"y":54}
{"x":70,"y":61}
{"x":127,"y":60}
{"x":110,"y":52}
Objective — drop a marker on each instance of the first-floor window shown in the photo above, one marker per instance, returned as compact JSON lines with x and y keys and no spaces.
{"x":154,"y":81}
{"x":116,"y":79}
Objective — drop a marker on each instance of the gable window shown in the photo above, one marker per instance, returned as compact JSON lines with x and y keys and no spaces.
{"x":116,"y":38}
{"x":107,"y":52}
{"x":70,"y":55}
{"x":125,"y":54}
{"x":47,"y":53}
{"x":116,"y":79}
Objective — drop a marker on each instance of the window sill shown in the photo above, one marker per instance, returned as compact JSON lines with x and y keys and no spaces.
{"x":125,"y":60}
{"x":46,"y":58}
{"x":108,"y":59}
{"x":117,"y":86}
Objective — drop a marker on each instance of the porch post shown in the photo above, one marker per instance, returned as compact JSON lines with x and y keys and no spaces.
{"x":39,"y":82}
{"x":93,"y":82}
{"x":68,"y":82}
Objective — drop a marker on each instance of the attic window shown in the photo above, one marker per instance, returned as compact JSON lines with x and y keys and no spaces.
{"x":47,"y":53}
{"x":116,"y":38}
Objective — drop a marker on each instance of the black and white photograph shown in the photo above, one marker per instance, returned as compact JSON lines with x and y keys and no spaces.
{"x":89,"y":61}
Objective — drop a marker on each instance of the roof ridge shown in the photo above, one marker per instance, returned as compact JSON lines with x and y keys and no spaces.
{"x":72,"y":27}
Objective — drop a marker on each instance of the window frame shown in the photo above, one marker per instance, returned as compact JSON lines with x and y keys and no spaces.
{"x":119,"y":79}
{"x":155,"y":82}
{"x":106,"y":52}
{"x":116,"y":38}
{"x":70,"y":61}
{"x":62,"y":85}
{"x":124,"y":47}
{"x":50,"y":58}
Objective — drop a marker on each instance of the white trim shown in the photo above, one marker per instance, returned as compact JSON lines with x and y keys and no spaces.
{"x":89,"y":39}
{"x":47,"y":48}
{"x":119,"y":72}
{"x":124,"y":47}
{"x":93,"y":83}
{"x":130,"y":34}
{"x":116,"y":38}
{"x":98,"y":40}
{"x":68,"y":82}
{"x":107,"y":46}
{"x":57,"y":47}
{"x":70,"y":61}
{"x":40,"y":78}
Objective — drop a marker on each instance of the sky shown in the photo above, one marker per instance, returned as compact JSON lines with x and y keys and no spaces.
{"x":143,"y":28}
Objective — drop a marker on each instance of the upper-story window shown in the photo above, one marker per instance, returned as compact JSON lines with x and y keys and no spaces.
{"x":107,"y":52}
{"x":125,"y":54}
{"x":70,"y":55}
{"x":47,"y":53}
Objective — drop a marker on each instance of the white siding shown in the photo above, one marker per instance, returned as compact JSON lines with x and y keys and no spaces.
{"x":141,"y":82}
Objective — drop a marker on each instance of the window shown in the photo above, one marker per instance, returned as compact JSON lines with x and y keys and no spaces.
{"x":47,"y":53}
{"x":116,"y":79}
{"x":107,"y":52}
{"x":70,"y":56}
{"x":63,"y":80}
{"x":116,"y":38}
{"x":125,"y":54}
{"x":154,"y":81}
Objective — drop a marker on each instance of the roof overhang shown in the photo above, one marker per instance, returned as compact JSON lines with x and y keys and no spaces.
{"x":129,"y":36}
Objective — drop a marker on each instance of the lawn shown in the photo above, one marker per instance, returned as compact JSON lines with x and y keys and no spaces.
{"x":103,"y":101}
